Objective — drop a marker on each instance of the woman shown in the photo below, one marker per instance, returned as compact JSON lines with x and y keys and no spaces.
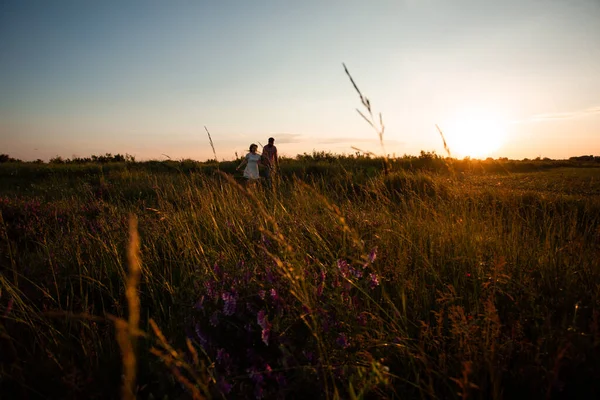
{"x":251,"y":160}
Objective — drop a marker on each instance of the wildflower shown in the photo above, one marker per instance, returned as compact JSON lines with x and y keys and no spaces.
{"x":343,"y":267}
{"x":262,"y":321}
{"x":356,"y":272}
{"x":373,"y":281}
{"x":230,"y":302}
{"x":211,"y":289}
{"x":274,"y":295}
{"x":261,"y":294}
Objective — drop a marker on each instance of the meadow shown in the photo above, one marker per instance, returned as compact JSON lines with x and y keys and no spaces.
{"x":434,"y":279}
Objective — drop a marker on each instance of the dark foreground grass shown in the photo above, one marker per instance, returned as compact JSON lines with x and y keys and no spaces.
{"x":346,"y":285}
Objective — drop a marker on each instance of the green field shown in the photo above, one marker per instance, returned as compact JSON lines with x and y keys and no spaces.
{"x":442,"y":279}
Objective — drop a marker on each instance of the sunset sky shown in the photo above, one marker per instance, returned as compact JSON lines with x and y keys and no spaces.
{"x":511,"y":78}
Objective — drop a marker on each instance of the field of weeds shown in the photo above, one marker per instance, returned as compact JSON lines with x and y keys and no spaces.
{"x":440,"y":279}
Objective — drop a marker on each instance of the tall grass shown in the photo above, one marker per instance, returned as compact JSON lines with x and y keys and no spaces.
{"x":408,"y":285}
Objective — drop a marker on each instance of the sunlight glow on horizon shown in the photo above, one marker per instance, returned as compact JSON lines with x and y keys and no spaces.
{"x":475,"y":134}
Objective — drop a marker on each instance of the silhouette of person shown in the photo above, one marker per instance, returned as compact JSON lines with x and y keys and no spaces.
{"x":251,"y":161}
{"x":271,"y":159}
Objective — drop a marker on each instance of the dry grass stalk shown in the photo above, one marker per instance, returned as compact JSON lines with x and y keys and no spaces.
{"x":379,"y":128}
{"x":127,"y":331}
{"x":212,"y":145}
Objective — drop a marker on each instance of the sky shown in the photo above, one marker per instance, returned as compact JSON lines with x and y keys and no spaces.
{"x":512,"y":78}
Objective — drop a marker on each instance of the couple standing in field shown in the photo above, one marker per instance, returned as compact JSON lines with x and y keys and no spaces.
{"x":252,"y":160}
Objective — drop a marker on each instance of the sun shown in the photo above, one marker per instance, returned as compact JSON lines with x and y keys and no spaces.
{"x":475,"y":134}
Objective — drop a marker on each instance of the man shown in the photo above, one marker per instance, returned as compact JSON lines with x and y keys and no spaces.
{"x":270,"y":159}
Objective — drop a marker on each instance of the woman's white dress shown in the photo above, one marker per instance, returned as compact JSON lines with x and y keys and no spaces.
{"x":251,"y":170}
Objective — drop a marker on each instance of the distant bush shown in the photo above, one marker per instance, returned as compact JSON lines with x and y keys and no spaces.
{"x":4,"y":158}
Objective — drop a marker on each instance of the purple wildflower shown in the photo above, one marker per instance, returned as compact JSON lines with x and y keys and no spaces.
{"x":274,"y":295}
{"x":373,"y":281}
{"x":261,"y":294}
{"x":230,"y":302}
{"x":343,"y":267}
{"x":261,"y":319}
{"x":264,"y":335}
{"x":263,"y":322}
{"x":356,"y":272}
{"x":211,"y":289}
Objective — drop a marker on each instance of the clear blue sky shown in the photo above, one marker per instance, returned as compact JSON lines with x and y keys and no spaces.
{"x":515,"y":78}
